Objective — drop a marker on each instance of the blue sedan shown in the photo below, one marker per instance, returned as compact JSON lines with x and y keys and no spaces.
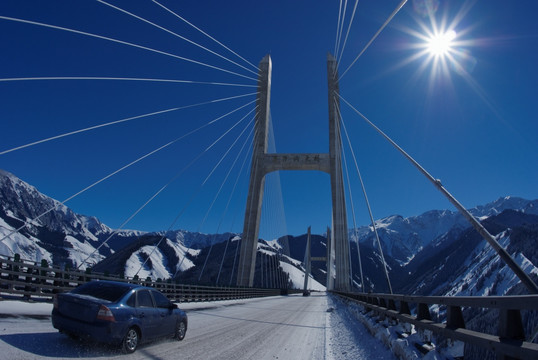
{"x":118,"y":313}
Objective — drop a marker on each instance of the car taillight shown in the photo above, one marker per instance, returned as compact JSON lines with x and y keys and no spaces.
{"x":105,"y":314}
{"x":55,"y":301}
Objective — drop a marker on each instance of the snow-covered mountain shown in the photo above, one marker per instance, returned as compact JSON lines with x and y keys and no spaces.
{"x":432,"y":253}
{"x":55,"y":233}
{"x":196,"y":240}
{"x":402,"y":238}
{"x":467,"y":265}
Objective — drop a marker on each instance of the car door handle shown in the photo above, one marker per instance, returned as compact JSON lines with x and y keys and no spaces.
{"x":142,"y":315}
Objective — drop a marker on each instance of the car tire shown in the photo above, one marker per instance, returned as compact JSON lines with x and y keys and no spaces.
{"x":130,"y":341}
{"x":181,"y":330}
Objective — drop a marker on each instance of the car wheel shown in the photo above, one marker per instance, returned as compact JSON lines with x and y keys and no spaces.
{"x":181,"y":330}
{"x":130,"y":341}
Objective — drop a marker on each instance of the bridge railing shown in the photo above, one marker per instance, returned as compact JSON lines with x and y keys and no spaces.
{"x":28,"y":280}
{"x":509,"y":343}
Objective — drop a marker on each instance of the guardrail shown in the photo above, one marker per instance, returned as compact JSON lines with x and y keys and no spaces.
{"x":510,"y":342}
{"x":28,"y":280}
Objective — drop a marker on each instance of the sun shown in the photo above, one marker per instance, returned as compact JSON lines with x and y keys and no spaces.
{"x":441,"y":44}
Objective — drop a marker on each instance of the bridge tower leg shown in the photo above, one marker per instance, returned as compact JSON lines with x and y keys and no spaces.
{"x":307,"y":263}
{"x":249,"y":242}
{"x":339,"y":217}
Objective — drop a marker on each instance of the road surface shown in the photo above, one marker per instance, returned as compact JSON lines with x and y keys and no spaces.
{"x":288,"y":327}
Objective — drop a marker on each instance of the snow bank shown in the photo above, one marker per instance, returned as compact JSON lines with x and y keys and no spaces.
{"x":403,"y":339}
{"x":347,"y":339}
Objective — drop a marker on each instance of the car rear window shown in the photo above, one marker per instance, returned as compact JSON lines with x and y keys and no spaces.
{"x":102,"y":290}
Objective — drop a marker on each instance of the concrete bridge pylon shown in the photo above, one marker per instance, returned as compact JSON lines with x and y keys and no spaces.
{"x":263,"y":163}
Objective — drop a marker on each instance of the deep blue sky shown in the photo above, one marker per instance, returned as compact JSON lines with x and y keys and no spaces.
{"x":475,"y":129}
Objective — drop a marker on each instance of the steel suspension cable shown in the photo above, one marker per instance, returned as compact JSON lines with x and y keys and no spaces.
{"x":354,"y":220}
{"x":375,"y":36}
{"x":143,"y":206}
{"x":58,"y":204}
{"x":190,"y":201}
{"x":204,"y":33}
{"x":231,"y":196}
{"x":235,"y":260}
{"x":339,"y":57}
{"x":269,"y":210}
{"x":108,"y":78}
{"x":122,"y":121}
{"x":162,"y":238}
{"x":219,"y":191}
{"x":125,"y":43}
{"x":368,"y":206}
{"x":247,"y":158}
{"x":338,"y":27}
{"x":340,"y":179}
{"x":339,"y":40}
{"x":523,"y":277}
{"x":182,"y":171}
{"x":130,"y":218}
{"x":249,"y":205}
{"x":176,"y":35}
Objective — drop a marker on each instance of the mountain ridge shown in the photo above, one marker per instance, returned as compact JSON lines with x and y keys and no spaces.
{"x":412,"y":245}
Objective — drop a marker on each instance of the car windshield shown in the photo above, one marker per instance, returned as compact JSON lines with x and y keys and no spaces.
{"x":102,"y":290}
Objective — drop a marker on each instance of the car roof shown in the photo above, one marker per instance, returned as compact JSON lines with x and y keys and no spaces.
{"x":122,"y":284}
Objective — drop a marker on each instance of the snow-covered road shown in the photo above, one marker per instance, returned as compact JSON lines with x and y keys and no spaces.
{"x":288,"y":327}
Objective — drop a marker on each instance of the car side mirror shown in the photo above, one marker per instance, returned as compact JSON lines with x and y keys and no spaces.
{"x":172,"y":306}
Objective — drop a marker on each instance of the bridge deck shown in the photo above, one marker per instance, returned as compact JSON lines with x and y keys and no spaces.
{"x":289,"y":327}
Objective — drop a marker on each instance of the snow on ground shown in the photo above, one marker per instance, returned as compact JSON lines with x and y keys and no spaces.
{"x":348,"y":339}
{"x":402,"y":339}
{"x":344,"y":338}
{"x":348,"y":333}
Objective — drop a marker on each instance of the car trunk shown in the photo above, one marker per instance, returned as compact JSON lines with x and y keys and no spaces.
{"x":80,"y":307}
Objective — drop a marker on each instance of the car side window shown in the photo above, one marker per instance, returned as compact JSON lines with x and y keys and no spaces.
{"x":160,"y":300}
{"x":144,"y":299}
{"x":132,"y":300}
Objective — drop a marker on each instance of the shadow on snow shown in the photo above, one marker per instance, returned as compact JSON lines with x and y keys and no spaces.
{"x":54,"y":344}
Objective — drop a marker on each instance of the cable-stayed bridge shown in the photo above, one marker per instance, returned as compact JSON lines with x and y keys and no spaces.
{"x":251,"y":123}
